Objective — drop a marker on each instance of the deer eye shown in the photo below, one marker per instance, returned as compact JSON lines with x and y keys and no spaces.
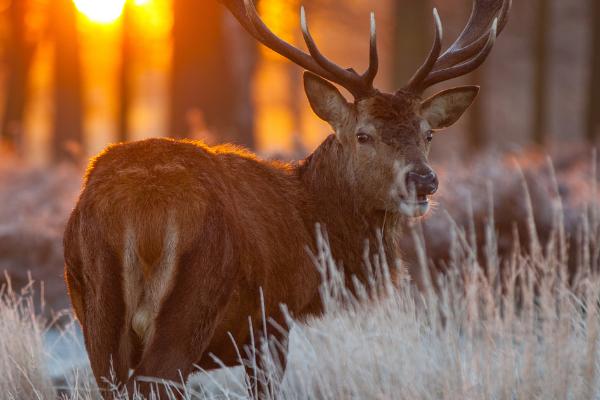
{"x":429,"y":136}
{"x":363,"y":138}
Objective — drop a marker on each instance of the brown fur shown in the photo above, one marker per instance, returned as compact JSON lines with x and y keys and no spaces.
{"x":171,"y":242}
{"x":243,"y":224}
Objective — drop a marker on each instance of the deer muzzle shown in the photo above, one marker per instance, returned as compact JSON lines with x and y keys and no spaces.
{"x":423,"y":183}
{"x":420,"y":184}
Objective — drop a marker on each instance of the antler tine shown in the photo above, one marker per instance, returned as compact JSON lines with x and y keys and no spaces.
{"x":238,"y":10}
{"x":247,"y":15}
{"x":466,"y":67}
{"x":371,"y":72}
{"x":428,"y":65}
{"x":356,"y":84}
{"x":475,"y":35}
{"x":330,"y":66}
{"x":469,"y":51}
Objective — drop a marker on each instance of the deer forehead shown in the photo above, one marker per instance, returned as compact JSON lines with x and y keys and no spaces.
{"x":395,"y":119}
{"x":387,"y":108}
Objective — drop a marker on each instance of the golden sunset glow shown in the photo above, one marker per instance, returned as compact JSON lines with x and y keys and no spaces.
{"x":102,"y":11}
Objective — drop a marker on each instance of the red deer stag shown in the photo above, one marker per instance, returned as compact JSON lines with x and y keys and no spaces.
{"x":171,"y":241}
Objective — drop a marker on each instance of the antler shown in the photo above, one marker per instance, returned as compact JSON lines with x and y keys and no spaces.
{"x":469,"y":51}
{"x":359,"y":85}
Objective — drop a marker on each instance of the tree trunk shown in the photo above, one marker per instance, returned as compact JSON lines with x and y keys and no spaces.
{"x":19,"y":53}
{"x":67,"y":126}
{"x":540,"y":90}
{"x":243,"y":56}
{"x":205,"y":82}
{"x":413,"y":27}
{"x":125,"y":74}
{"x":476,"y":135}
{"x":593,"y":113}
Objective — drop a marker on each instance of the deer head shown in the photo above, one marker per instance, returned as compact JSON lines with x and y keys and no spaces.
{"x":385,"y":137}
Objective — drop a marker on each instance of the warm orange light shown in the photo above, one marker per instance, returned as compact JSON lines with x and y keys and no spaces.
{"x":102,"y":11}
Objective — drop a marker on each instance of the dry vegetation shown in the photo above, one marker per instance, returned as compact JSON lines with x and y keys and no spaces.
{"x":35,"y":205}
{"x":511,"y":317}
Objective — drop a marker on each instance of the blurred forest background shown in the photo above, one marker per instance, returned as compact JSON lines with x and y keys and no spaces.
{"x":76,"y":75}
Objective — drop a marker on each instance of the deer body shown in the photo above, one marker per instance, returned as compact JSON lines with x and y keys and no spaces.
{"x":185,"y":237}
{"x":172,"y":242}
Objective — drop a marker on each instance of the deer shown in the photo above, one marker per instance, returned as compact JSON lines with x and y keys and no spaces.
{"x":173,"y":246}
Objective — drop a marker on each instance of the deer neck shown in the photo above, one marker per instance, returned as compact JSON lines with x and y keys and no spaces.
{"x":349,"y":223}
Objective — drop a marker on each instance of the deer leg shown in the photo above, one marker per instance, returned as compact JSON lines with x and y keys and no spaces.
{"x":75,"y":289}
{"x":98,"y":305}
{"x":184,"y":327}
{"x":101,"y":313}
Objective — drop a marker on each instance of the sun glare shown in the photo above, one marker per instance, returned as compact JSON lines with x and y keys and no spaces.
{"x":103,"y":11}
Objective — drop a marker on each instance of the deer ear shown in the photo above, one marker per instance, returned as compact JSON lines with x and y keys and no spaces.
{"x":445,"y":108}
{"x":325,"y":100}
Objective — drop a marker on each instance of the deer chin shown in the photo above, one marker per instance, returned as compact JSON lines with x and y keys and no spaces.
{"x":414,"y":207}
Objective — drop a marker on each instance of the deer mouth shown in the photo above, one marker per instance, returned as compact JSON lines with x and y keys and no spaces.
{"x":417,"y":206}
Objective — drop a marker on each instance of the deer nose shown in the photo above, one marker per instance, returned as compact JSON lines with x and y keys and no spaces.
{"x":424,"y":183}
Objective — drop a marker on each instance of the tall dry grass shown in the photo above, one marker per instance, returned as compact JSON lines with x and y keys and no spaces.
{"x":517,"y":325}
{"x":22,"y":373}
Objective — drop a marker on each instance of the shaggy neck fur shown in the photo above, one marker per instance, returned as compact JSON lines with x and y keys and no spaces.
{"x":351,"y":225}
